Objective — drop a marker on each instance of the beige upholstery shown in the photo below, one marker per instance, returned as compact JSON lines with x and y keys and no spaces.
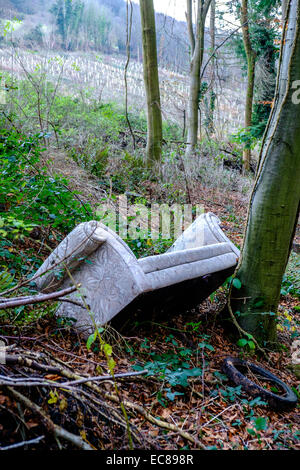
{"x":110,"y":275}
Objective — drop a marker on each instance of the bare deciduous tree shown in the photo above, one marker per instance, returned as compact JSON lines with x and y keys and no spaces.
{"x":196,"y":38}
{"x":251,"y":62}
{"x":154,"y":119}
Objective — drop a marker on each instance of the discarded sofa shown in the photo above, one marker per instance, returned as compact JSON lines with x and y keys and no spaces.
{"x":113,"y":281}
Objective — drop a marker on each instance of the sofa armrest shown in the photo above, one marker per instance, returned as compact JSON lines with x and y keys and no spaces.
{"x":68,"y":255}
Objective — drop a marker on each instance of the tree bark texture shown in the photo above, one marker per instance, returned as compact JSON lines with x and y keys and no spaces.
{"x":274,"y":206}
{"x":251,"y":61}
{"x":197,"y":51}
{"x":151,"y":80}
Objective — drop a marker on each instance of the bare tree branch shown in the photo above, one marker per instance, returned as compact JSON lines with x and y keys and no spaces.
{"x":34,"y":299}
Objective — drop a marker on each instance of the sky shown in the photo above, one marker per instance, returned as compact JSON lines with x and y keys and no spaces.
{"x":177,"y":9}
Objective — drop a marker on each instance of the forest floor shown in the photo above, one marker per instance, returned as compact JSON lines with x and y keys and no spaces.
{"x":183,"y":402}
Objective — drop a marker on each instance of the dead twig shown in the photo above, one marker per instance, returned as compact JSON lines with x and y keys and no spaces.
{"x":23,"y":443}
{"x":133,"y":407}
{"x":157,"y":422}
{"x":40,"y":382}
{"x":34,"y":299}
{"x":56,"y":430}
{"x":104,"y":377}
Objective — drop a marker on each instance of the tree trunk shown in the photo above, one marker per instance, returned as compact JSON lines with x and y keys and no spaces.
{"x":251,"y":60}
{"x":154,"y":119}
{"x":284,"y":10}
{"x":274,"y":205}
{"x":212,"y":29}
{"x":197,"y":50}
{"x":212,"y":32}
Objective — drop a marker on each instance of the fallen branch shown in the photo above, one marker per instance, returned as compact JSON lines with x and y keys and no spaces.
{"x":23,"y":443}
{"x":75,"y":379}
{"x":82,"y":392}
{"x":230,"y":153}
{"x":40,"y":382}
{"x":34,"y":299}
{"x":219,"y":414}
{"x":103,"y":377}
{"x":56,"y":430}
{"x":158,"y":422}
{"x":136,"y":408}
{"x":24,"y":361}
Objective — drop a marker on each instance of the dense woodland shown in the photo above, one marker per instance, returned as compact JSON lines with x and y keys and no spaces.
{"x":106,"y":99}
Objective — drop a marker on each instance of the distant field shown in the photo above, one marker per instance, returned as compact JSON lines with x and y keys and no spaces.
{"x":103,"y":76}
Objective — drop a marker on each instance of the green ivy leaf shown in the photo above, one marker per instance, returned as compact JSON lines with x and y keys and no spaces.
{"x":237,"y":283}
{"x":91,"y":340}
{"x":171,"y":395}
{"x":242,"y":342}
{"x":111,"y":365}
{"x":259,"y":304}
{"x":107,"y":350}
{"x":249,"y":336}
{"x":261,"y":423}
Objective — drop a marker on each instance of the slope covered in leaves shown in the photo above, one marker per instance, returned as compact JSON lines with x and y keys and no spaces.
{"x":168,"y":371}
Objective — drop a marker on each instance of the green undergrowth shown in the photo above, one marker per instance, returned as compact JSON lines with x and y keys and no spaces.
{"x":291,"y":279}
{"x":181,"y":364}
{"x":88,"y":128}
{"x":30,"y":197}
{"x":37,"y":210}
{"x":175,"y":364}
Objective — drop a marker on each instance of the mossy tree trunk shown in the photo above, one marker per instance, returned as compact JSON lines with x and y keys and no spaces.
{"x":197,"y":50}
{"x":274,"y":205}
{"x":154,"y":119}
{"x":251,"y":61}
